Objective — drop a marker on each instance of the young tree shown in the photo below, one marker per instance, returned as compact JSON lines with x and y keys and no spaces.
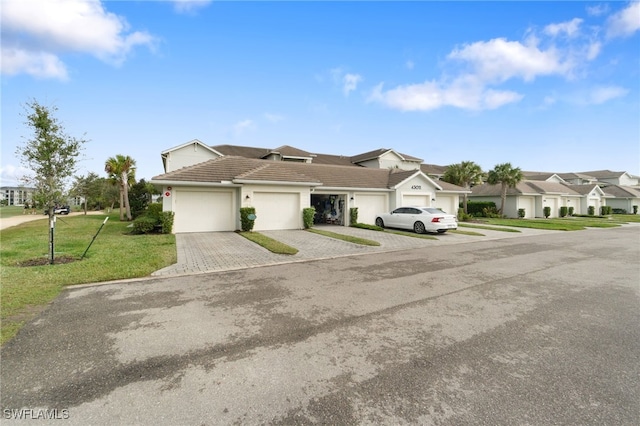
{"x":51,"y":155}
{"x":122,"y":172}
{"x":464,"y":174}
{"x":507,"y":176}
{"x":89,"y":188}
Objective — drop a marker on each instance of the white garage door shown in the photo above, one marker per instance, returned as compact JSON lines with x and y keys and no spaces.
{"x":277,"y":210}
{"x":416,"y":200}
{"x":529,"y":206}
{"x":553,"y":203}
{"x":370,"y":206}
{"x":447,"y":203}
{"x":203,"y":211}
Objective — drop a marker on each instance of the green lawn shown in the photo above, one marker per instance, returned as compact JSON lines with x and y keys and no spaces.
{"x":555,"y":224}
{"x":343,"y":237}
{"x":114,"y":255}
{"x":269,"y":243}
{"x":10,"y":211}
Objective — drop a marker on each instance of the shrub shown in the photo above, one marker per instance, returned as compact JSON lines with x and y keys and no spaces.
{"x":570,"y":211}
{"x":308,"y":214}
{"x":563,"y":211}
{"x":353,"y":216}
{"x":619,"y":211}
{"x":605,"y":210}
{"x":143,"y":225}
{"x":165,"y":219}
{"x":521,"y":213}
{"x":475,"y":208}
{"x":491,"y":212}
{"x":154,"y":209}
{"x":635,"y":209}
{"x":246,"y":223}
{"x":591,"y":210}
{"x":462,"y":216}
{"x":546,"y":211}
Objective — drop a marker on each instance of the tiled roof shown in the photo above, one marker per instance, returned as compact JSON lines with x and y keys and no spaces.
{"x":290,"y":151}
{"x":242,"y":151}
{"x":529,"y":187}
{"x":449,"y":187}
{"x":230,"y":168}
{"x":433,"y":169}
{"x":376,"y":153}
{"x":603,"y":174}
{"x":581,"y":189}
{"x":622,"y":191}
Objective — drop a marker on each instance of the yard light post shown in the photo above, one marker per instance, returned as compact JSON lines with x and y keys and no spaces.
{"x":52,"y":226}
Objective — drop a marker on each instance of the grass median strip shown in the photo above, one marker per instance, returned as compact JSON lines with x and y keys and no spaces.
{"x":343,"y":237}
{"x":269,"y":243}
{"x":488,"y":228}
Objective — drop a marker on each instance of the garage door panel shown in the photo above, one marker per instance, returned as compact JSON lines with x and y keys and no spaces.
{"x":203,"y":211}
{"x":370,"y":206}
{"x":446,"y":203}
{"x":277,"y":210}
{"x":416,"y":200}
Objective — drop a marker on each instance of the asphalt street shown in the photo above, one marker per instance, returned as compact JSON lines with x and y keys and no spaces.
{"x":536,"y":330}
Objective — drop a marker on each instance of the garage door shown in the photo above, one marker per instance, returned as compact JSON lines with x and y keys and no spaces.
{"x":447,"y":203}
{"x":203,"y":211}
{"x":529,"y":206}
{"x":370,"y":206}
{"x":277,"y":210}
{"x":416,"y":200}
{"x":553,"y":203}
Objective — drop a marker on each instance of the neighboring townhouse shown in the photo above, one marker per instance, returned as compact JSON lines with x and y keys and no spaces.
{"x":623,"y":197}
{"x":613,"y":178}
{"x":533,"y":196}
{"x":205,"y":186}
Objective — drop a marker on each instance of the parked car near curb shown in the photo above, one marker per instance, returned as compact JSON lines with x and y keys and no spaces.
{"x":59,"y":210}
{"x":418,"y":219}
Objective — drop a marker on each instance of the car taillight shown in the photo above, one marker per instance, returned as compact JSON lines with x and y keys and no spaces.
{"x":436,"y":219}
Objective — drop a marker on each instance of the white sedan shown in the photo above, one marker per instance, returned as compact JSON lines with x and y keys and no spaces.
{"x":419,"y":219}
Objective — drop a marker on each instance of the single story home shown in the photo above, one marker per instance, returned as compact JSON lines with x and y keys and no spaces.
{"x":623,"y":197}
{"x":205,"y":186}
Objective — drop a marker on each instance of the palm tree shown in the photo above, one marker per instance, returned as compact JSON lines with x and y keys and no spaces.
{"x":122,"y":172}
{"x":464,"y":174}
{"x":506,"y":175}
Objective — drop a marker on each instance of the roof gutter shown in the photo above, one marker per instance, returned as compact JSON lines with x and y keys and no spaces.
{"x":274,"y":182}
{"x":192,"y":183}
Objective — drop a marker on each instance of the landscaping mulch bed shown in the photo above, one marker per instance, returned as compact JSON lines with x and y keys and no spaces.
{"x":45,"y":261}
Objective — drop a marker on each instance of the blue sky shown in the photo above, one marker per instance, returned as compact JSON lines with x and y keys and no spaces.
{"x":547,"y":86}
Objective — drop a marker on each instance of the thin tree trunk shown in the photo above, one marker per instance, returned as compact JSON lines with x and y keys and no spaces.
{"x":125,"y":185}
{"x":121,"y":202}
{"x":503,"y":197}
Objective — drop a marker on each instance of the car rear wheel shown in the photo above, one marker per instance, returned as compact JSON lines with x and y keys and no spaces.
{"x":418,"y":227}
{"x":379,"y":222}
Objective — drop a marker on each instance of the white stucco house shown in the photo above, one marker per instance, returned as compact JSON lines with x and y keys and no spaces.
{"x":205,"y":186}
{"x":533,"y":196}
{"x":623,"y":197}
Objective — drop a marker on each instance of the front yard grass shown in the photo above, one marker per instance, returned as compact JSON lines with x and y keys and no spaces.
{"x":114,"y":255}
{"x":488,"y":228}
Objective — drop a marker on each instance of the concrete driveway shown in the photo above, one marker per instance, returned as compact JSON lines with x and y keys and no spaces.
{"x":533,"y":330}
{"x":224,"y":251}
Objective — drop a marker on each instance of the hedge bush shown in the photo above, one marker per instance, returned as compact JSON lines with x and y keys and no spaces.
{"x":546,"y":211}
{"x":476,"y":208}
{"x":308,"y":213}
{"x":353,"y":216}
{"x":605,"y":210}
{"x":591,"y":210}
{"x":563,"y":211}
{"x":245,"y":223}
{"x":521,"y":213}
{"x":570,"y":211}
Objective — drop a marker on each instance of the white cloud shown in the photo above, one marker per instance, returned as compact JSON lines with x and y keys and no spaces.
{"x":625,"y":22}
{"x":274,"y":118}
{"x":241,"y":126}
{"x":36,"y":32}
{"x":409,"y":64}
{"x":189,"y":6}
{"x":597,"y":10}
{"x":350,"y":83}
{"x":37,"y":64}
{"x":500,"y":59}
{"x":570,"y":28}
{"x":11,"y":175}
{"x":600,"y":95}
{"x":466,"y":92}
